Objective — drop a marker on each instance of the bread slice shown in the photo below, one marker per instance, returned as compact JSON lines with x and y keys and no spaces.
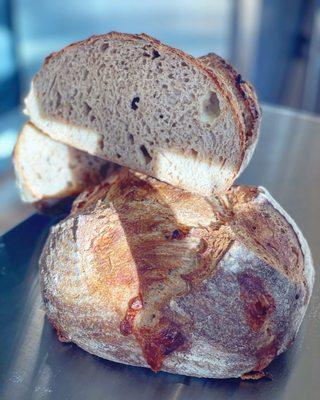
{"x":48,"y":171}
{"x":146,"y":274}
{"x":135,"y":101}
{"x":246,"y":97}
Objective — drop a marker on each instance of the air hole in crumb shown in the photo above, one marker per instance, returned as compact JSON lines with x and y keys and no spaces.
{"x":170,"y":76}
{"x":164,"y":86}
{"x":92,"y":118}
{"x":186,"y":79}
{"x":174,"y":124}
{"x":210,"y":108}
{"x":131,"y":138}
{"x":155,"y":54}
{"x":161,"y":116}
{"x":184,"y":64}
{"x":134,"y":103}
{"x":297,"y":296}
{"x":167,"y":140}
{"x":104,"y":46}
{"x":118,"y":155}
{"x":145,"y":54}
{"x":146,"y":154}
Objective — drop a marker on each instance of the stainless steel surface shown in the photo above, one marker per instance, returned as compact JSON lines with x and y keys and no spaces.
{"x":34,"y":365}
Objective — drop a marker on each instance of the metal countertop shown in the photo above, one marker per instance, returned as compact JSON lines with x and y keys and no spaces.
{"x":35,"y":365}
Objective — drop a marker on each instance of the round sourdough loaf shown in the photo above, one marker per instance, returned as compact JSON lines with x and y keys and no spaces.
{"x":149,"y":275}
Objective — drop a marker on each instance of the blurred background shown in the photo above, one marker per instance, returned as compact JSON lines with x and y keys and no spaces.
{"x":273,"y":43}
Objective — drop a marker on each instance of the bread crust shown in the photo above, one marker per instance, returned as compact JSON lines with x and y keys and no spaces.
{"x":146,"y":274}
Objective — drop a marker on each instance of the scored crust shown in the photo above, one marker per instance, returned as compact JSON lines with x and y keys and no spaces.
{"x":155,"y":276}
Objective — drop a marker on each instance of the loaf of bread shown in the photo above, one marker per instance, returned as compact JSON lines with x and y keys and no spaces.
{"x":130,"y":99}
{"x":147,"y":274}
{"x":184,"y":273}
{"x":48,"y":171}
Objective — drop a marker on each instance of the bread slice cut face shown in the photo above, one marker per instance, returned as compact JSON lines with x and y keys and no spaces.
{"x":47,"y":170}
{"x":135,"y":101}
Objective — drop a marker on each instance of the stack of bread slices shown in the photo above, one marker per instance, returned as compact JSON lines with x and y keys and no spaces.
{"x":162,"y":263}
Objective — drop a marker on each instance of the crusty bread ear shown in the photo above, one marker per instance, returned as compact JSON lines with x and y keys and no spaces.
{"x":142,"y":104}
{"x":162,"y":279}
{"x":48,"y":171}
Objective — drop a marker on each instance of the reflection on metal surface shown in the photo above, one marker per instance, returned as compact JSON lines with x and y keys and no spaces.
{"x":27,"y":339}
{"x":34,"y":364}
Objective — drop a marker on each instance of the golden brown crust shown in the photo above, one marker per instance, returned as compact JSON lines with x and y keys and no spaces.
{"x":258,"y":225}
{"x":255,"y":375}
{"x":147,"y":274}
